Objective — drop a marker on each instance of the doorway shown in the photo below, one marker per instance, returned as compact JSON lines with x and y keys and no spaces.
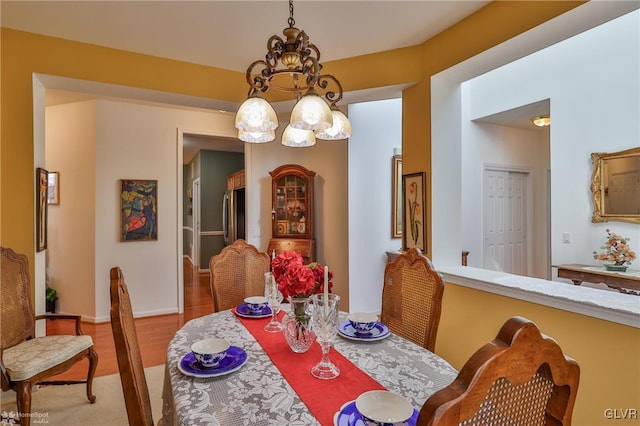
{"x":505,"y":214}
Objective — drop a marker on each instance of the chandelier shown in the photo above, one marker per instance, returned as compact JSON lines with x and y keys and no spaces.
{"x":292,"y":65}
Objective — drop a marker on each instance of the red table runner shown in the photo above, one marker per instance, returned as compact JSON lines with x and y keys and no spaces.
{"x":323,"y":397}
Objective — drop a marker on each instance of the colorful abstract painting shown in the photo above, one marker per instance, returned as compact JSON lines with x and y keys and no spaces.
{"x":139,"y":210}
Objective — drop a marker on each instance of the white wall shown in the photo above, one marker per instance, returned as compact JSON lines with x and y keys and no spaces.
{"x":515,"y":149}
{"x":106,"y":141}
{"x":329,"y":160}
{"x":593,"y":83}
{"x":70,"y":150}
{"x":377,"y":130}
{"x":130,"y":141}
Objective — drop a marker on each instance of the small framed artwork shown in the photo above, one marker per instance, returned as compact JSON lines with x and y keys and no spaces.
{"x":138,"y":210}
{"x":396,"y":197}
{"x":53,"y":188}
{"x":41,"y":208}
{"x":413,"y":190}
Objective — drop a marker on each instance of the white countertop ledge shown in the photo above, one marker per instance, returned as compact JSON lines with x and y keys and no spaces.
{"x":607,"y":305}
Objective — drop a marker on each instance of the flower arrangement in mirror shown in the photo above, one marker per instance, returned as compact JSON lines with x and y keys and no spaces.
{"x":617,"y":251}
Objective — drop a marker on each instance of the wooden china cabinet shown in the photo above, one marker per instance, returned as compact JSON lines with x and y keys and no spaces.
{"x":292,"y":211}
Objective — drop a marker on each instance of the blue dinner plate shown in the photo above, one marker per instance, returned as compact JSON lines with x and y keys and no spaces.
{"x":244,"y":311}
{"x":236,"y":357}
{"x":379,"y":332}
{"x":349,"y":416}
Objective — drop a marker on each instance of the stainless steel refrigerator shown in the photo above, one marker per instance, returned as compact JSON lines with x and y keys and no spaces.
{"x":233,"y":215}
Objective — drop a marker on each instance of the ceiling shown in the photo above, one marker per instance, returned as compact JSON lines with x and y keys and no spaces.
{"x":233,"y":34}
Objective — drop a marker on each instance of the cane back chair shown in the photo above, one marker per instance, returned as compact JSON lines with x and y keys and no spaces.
{"x":237,"y":272}
{"x":26,"y":360}
{"x":520,"y":378}
{"x":412,"y":298}
{"x":132,"y":377}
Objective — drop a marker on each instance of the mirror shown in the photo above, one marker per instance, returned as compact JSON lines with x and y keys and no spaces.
{"x":615,"y":186}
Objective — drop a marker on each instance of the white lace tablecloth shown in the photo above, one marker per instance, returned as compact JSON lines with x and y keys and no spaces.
{"x":257,"y":394}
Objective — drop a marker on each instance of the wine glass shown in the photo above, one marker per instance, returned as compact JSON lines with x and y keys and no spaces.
{"x":274,"y":299}
{"x":325,"y":326}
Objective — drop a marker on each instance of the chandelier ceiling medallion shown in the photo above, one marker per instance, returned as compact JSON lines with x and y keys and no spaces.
{"x":292,"y":65}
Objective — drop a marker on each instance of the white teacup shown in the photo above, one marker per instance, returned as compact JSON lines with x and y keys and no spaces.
{"x":363,"y":322}
{"x":256,"y":303}
{"x":209,"y":352}
{"x":380,"y":407}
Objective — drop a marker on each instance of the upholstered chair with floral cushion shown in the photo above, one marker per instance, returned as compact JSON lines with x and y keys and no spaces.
{"x":26,"y":360}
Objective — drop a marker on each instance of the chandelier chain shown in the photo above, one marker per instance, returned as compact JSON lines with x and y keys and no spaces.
{"x":291,"y":21}
{"x":292,"y":64}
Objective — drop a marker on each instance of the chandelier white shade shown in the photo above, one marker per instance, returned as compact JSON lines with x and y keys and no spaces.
{"x":311,"y":113}
{"x":292,"y":65}
{"x":257,"y":137}
{"x":256,"y":115}
{"x":341,"y":128}
{"x":298,"y":138}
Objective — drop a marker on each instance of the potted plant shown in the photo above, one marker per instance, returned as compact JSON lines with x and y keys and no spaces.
{"x":50,"y":298}
{"x":616,"y":251}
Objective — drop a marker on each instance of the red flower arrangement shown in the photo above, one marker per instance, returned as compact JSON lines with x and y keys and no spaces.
{"x":296,"y":279}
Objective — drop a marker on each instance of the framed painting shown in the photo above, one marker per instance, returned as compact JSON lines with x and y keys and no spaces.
{"x":396,"y":196}
{"x":138,"y":210}
{"x":42,"y":177}
{"x":53,"y":188}
{"x":413,"y":195}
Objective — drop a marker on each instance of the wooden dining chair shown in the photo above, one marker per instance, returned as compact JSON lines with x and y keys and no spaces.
{"x":237,"y":272}
{"x":132,"y":377}
{"x":26,"y":360}
{"x":520,"y":378}
{"x":412,"y":298}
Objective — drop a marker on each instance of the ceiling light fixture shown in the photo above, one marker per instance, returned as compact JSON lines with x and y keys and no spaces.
{"x":292,"y":65}
{"x":541,"y":120}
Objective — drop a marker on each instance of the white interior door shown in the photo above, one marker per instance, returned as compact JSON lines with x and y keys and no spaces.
{"x":504,"y":222}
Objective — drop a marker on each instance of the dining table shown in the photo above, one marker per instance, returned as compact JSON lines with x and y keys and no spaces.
{"x":273,"y":385}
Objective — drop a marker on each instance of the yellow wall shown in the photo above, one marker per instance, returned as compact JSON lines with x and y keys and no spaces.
{"x":606,"y":352}
{"x":23,"y":54}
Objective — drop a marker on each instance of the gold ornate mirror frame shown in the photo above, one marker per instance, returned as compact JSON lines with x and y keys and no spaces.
{"x":602,"y":209}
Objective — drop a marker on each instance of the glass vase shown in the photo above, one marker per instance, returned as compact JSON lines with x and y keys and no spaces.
{"x":296,"y":325}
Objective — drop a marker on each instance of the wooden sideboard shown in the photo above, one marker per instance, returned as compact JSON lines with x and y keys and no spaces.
{"x":306,"y":247}
{"x":624,"y":283}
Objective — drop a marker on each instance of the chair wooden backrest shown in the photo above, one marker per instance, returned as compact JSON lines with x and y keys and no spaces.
{"x":19,"y":343}
{"x":412,"y":298}
{"x":520,"y":378}
{"x":18,"y":323}
{"x":235,"y":273}
{"x":134,"y":383}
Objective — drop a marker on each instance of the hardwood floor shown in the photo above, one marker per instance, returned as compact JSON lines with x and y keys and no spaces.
{"x":154,"y":333}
